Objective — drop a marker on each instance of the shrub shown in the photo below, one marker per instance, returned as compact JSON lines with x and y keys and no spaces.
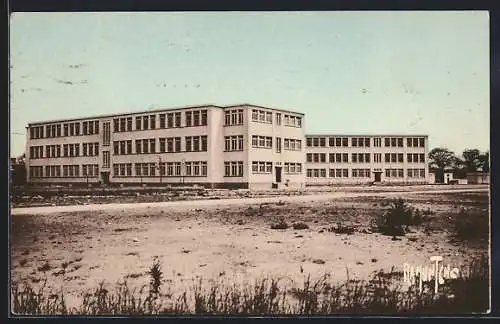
{"x":282,"y":224}
{"x":471,"y":225}
{"x":342,"y":229}
{"x":397,"y":218}
{"x":300,"y":226}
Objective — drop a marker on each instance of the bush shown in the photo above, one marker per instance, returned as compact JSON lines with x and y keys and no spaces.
{"x":342,"y":229}
{"x":282,"y":224}
{"x":397,"y":218}
{"x":471,"y":225}
{"x":300,"y":226}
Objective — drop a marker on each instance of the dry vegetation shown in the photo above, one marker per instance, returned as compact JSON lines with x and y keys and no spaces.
{"x":205,"y":257}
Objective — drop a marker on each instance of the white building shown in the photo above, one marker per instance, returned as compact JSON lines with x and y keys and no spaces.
{"x":241,"y":146}
{"x":357,"y":159}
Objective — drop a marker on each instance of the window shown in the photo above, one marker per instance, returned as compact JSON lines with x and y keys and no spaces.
{"x":292,"y":168}
{"x":189,"y":121}
{"x":278,"y":119}
{"x":129,"y":124}
{"x":196,"y":143}
{"x":177,"y":141}
{"x":162,"y":144}
{"x":145,"y":122}
{"x":377,"y":157}
{"x":138,"y":123}
{"x":129,"y":147}
{"x":152,"y":145}
{"x":262,"y":116}
{"x":122,"y":124}
{"x":269,"y":117}
{"x":162,"y":121}
{"x":204,"y":143}
{"x":138,"y":146}
{"x":170,"y":144}
{"x":204,"y":118}
{"x":262,"y":167}
{"x":262,"y":141}
{"x":177,"y":119}
{"x":345,"y":142}
{"x":196,"y":118}
{"x":152,"y":121}
{"x":400,"y":157}
{"x":387,"y":142}
{"x":421,"y":142}
{"x":409,"y":143}
{"x":105,"y":159}
{"x":422,"y":158}
{"x":308,"y":142}
{"x":233,"y":143}
{"x":415,"y":142}
{"x":188,"y":143}
{"x":170,"y":120}
{"x":278,"y":144}
{"x":322,"y":142}
{"x":106,"y":136}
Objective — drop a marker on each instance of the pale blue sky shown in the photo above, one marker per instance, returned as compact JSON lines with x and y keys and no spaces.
{"x":349,"y":72}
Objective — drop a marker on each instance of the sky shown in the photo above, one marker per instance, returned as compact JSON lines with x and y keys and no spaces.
{"x":356,"y":72}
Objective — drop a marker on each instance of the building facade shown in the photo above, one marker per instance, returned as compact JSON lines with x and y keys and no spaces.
{"x":359,"y":159}
{"x":241,"y":146}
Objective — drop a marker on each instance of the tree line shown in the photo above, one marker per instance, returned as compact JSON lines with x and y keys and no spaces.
{"x":470,"y":160}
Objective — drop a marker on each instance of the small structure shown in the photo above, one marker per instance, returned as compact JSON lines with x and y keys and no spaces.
{"x":478,"y":178}
{"x":448,"y":177}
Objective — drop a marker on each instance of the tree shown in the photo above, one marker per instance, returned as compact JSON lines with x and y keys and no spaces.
{"x":439,"y":159}
{"x":484,"y":161}
{"x":470,"y":159}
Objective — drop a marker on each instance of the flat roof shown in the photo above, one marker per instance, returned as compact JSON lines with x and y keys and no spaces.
{"x":156,"y":110}
{"x":366,"y":135}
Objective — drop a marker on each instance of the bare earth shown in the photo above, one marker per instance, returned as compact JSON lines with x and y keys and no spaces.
{"x":229,"y":239}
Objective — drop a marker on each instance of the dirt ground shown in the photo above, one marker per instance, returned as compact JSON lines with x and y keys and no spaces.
{"x":233,"y":242}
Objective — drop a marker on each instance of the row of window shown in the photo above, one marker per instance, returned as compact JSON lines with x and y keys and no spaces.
{"x":68,"y":129}
{"x":264,"y":116}
{"x":233,"y":143}
{"x":166,"y":145}
{"x":364,"y":157}
{"x":363,"y":173}
{"x":233,"y":117}
{"x":364,"y":142}
{"x":68,"y":150}
{"x":54,"y":171}
{"x":290,"y":144}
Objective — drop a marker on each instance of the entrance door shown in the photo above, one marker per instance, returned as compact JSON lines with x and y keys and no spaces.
{"x":278,"y":174}
{"x":378,"y":176}
{"x":105,"y":178}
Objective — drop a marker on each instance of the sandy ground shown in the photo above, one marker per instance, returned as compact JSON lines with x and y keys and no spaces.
{"x":228,"y":239}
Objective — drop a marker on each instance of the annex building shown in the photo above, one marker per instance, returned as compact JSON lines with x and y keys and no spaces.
{"x":239,"y":146}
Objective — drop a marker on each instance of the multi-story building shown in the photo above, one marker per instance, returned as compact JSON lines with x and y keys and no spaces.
{"x":357,"y":159}
{"x":242,"y":146}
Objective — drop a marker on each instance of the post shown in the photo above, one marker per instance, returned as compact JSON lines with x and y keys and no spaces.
{"x":159,"y":168}
{"x":183,"y":166}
